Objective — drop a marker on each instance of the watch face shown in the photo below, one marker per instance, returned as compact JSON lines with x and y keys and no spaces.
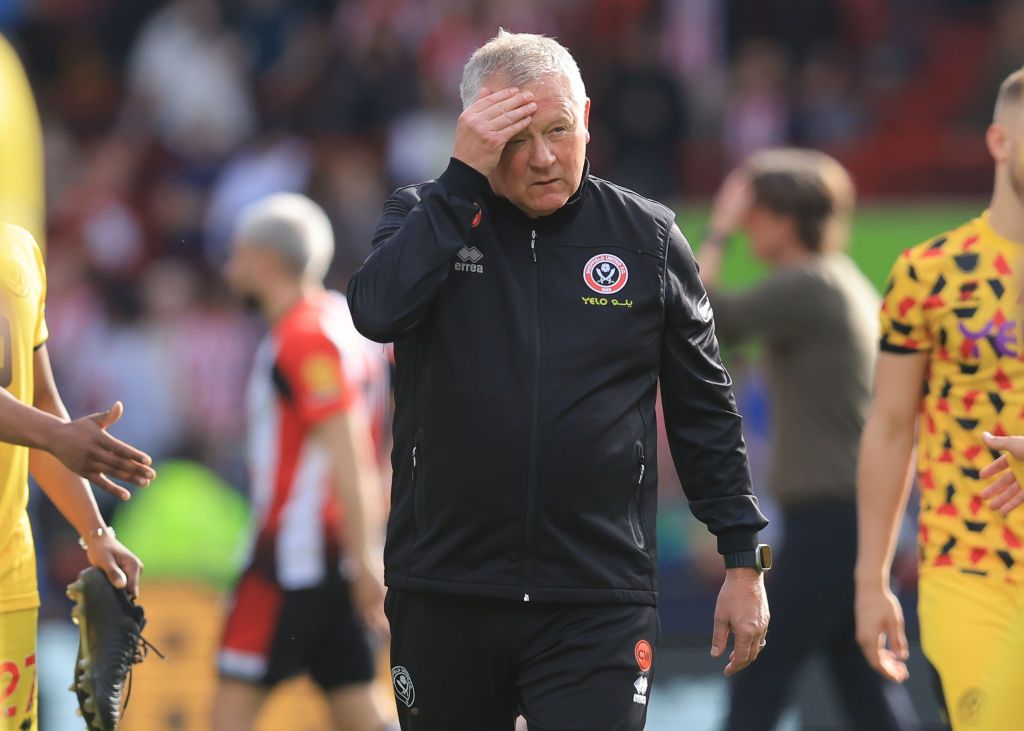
{"x":764,"y":556}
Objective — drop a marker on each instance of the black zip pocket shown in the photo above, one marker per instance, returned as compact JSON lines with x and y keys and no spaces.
{"x":636,"y":505}
{"x":418,"y":507}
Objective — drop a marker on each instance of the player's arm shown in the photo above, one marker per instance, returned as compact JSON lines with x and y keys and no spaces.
{"x":24,"y":425}
{"x":83,"y":445}
{"x":73,"y":497}
{"x":345,"y":437}
{"x":882,"y":490}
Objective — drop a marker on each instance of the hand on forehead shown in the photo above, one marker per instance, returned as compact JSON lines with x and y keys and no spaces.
{"x":549,"y":90}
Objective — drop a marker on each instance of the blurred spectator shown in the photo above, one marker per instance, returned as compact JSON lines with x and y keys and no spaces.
{"x":827,"y":114}
{"x":757,"y":112}
{"x":645,"y":145}
{"x":187,"y":71}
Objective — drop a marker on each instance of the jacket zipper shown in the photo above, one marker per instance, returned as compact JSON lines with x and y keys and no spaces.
{"x":643,"y":469}
{"x":641,"y":529}
{"x":531,"y":485}
{"x":417,"y":497}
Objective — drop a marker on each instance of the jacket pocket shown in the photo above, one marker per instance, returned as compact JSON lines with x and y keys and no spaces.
{"x":418,"y":493}
{"x":636,"y":504}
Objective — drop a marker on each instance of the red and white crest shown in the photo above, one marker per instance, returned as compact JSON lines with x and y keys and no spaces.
{"x":605,"y":274}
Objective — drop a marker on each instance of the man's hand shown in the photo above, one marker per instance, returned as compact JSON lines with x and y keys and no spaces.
{"x":742,"y":610}
{"x":731,"y":205}
{"x":368,"y":595}
{"x":85,"y":448}
{"x":121,"y":566}
{"x":486,"y":125}
{"x":1005,"y":493}
{"x":880,"y":621}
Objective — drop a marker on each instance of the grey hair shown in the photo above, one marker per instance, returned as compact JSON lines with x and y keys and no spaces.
{"x":293,"y":226}
{"x":526,"y":58}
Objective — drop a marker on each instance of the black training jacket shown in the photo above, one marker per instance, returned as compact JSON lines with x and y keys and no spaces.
{"x":528,"y":354}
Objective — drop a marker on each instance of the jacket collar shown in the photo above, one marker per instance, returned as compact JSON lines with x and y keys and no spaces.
{"x":507,"y":214}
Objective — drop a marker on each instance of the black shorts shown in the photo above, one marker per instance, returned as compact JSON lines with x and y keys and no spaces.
{"x":469,"y":664}
{"x":272,"y":634}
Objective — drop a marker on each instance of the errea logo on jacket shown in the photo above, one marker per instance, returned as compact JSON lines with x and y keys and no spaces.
{"x":469,"y":260}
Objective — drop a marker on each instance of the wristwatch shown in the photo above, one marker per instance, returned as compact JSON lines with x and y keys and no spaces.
{"x":760,"y":558}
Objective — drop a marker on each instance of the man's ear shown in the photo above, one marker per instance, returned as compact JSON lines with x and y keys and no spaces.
{"x":998,"y":141}
{"x":586,"y":117}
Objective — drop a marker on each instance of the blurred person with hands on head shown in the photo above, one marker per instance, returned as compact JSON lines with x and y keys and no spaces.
{"x":534,"y":309}
{"x":313,"y":584}
{"x":37,"y":437}
{"x":816,"y":315}
{"x":948,"y":372}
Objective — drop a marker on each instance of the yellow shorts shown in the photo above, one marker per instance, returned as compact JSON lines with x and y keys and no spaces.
{"x":18,"y":670}
{"x":972,"y":632}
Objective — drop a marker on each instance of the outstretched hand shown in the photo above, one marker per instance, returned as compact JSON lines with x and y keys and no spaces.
{"x":486,"y":126}
{"x":86,"y":448}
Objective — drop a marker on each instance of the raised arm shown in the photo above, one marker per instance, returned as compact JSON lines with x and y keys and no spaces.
{"x":421,"y":229}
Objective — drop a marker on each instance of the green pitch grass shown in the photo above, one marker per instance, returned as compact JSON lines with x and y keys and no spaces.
{"x":880,"y":233}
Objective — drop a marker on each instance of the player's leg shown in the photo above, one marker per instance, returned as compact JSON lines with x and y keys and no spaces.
{"x":18,"y":670}
{"x":244,"y":661}
{"x":970,"y":633}
{"x":341,"y":661}
{"x":760,"y":693}
{"x":452,"y":662}
{"x":236,"y":705}
{"x":588,"y":667}
{"x":358,"y":708}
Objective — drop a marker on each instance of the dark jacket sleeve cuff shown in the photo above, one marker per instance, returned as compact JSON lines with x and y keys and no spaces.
{"x":462,"y":181}
{"x":737,"y":540}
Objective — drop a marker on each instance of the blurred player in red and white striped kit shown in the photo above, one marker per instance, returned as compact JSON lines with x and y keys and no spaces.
{"x":312,"y":591}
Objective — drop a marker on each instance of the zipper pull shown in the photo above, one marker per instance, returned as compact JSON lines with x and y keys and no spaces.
{"x":526,"y":597}
{"x":533,"y":250}
{"x":414,"y":455}
{"x":643,"y":462}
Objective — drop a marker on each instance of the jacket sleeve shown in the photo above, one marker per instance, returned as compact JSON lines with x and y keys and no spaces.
{"x":413,"y":246}
{"x":704,"y":429}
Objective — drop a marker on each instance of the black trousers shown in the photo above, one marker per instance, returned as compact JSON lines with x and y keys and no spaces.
{"x":470,"y":664}
{"x":811,"y":596}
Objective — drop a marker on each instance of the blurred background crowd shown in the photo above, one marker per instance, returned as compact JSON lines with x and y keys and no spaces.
{"x":163,"y":118}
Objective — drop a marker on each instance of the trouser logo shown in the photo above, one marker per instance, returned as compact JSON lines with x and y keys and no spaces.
{"x":641,"y":684}
{"x":404,"y":689}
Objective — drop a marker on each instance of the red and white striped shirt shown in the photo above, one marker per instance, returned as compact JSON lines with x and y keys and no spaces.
{"x":312,"y":365}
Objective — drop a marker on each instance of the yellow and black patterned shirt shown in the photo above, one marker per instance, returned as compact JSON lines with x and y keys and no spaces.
{"x":957,"y":298}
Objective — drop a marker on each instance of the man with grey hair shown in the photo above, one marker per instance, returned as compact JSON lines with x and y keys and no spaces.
{"x":317,"y":396}
{"x":534,"y":309}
